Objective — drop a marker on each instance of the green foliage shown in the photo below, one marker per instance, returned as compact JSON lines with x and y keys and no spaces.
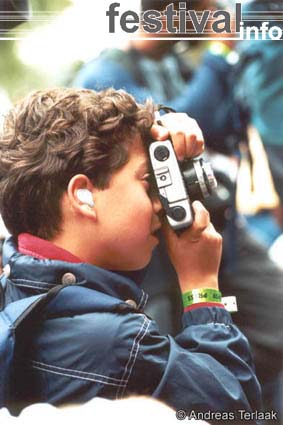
{"x":50,"y":5}
{"x":15,"y":77}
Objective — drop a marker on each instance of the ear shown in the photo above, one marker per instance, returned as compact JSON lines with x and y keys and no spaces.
{"x":80,"y":194}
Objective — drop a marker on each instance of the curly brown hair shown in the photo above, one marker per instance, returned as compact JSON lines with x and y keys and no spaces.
{"x":50,"y":136}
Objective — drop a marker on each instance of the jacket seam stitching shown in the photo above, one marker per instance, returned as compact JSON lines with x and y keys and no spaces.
{"x":133,"y":355}
{"x":143,"y":300}
{"x":33,"y":286}
{"x":37,"y":364}
{"x":40,"y":282}
{"x":37,"y":282}
{"x":70,"y":375}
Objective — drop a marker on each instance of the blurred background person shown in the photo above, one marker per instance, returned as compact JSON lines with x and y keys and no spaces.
{"x":260,"y":88}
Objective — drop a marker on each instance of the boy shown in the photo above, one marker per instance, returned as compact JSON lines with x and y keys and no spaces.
{"x":76,"y":197}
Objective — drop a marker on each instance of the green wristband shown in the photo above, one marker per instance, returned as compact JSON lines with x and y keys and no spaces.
{"x":206,"y":295}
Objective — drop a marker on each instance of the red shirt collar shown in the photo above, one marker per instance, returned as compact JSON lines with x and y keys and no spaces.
{"x":40,"y":248}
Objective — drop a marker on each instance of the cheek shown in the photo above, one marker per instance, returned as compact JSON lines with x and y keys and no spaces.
{"x":129,"y":212}
{"x":144,"y":208}
{"x":138,"y":214}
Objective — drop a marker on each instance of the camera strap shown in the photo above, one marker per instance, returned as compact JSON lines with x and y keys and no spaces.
{"x":166,"y":109}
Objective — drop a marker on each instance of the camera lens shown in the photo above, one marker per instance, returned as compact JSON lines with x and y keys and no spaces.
{"x":178,"y":213}
{"x":161,"y":153}
{"x":198,"y":178}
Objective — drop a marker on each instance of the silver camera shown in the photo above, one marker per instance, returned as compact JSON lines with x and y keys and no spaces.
{"x":179,"y":183}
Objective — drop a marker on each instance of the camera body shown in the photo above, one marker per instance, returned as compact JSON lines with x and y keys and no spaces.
{"x":170,"y":184}
{"x":179,"y":184}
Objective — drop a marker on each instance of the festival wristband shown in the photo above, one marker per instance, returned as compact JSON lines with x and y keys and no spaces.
{"x":206,"y":295}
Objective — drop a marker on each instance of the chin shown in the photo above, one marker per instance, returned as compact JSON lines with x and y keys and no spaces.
{"x":140,"y":264}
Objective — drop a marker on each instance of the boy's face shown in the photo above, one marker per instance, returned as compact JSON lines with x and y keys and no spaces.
{"x":127,"y":216}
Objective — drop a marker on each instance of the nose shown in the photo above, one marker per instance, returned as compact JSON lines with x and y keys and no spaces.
{"x":156,"y":204}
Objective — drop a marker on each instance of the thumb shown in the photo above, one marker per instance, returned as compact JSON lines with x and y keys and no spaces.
{"x":170,"y":235}
{"x":201,"y":221}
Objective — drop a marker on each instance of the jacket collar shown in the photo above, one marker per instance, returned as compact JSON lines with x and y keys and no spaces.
{"x":41,"y":248}
{"x":33,"y":272}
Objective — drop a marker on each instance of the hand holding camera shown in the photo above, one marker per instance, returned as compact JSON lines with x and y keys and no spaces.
{"x":184,"y":132}
{"x":179,"y":183}
{"x":195,"y":253}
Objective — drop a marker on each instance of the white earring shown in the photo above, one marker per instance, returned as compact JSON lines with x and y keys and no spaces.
{"x":85,"y":196}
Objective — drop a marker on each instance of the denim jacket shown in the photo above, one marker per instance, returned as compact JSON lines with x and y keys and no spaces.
{"x":95,"y":340}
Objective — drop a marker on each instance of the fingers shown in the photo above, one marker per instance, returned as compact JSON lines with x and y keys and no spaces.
{"x":158,"y":132}
{"x":179,"y":142}
{"x":194,"y":145}
{"x":169,"y":234}
{"x":194,"y":233}
{"x":201,"y":222}
{"x":186,"y":136}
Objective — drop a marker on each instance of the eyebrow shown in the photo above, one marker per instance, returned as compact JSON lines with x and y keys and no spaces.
{"x":142,"y":168}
